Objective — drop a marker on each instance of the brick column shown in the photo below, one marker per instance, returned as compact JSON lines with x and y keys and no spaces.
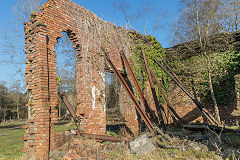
{"x":90,"y":92}
{"x":41,"y":84}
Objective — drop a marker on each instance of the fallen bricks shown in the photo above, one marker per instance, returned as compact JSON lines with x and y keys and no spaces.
{"x":78,"y":148}
{"x":104,"y":137}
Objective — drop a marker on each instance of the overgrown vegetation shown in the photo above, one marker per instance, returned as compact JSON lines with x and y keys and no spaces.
{"x":163,"y":154}
{"x":153,"y":50}
{"x":188,"y":145}
{"x":198,"y":22}
{"x":194,"y":73}
{"x":64,"y":126}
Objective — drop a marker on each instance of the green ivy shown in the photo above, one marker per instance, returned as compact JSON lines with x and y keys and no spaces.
{"x":153,"y":50}
{"x":224,"y":65}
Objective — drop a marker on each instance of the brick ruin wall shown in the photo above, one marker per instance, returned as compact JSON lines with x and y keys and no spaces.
{"x":183,"y":105}
{"x":190,"y":113}
{"x":88,"y":34}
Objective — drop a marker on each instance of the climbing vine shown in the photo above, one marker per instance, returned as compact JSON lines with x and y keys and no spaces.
{"x":153,"y":50}
{"x":224,"y":65}
{"x":59,"y":81}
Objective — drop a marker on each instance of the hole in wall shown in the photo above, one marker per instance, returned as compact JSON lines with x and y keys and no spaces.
{"x":114,"y":103}
{"x":65,"y":66}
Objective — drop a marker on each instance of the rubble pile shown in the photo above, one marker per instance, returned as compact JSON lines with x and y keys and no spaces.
{"x":79,"y":148}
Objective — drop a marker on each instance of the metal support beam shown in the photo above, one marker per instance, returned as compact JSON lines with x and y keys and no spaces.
{"x":77,"y":122}
{"x":71,"y":110}
{"x":144,"y":101}
{"x":68,"y":106}
{"x":166,"y":99}
{"x":104,"y":137}
{"x":208,"y":115}
{"x":130,"y":93}
{"x":158,"y":109}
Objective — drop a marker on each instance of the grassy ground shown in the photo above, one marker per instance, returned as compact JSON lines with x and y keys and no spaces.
{"x":166,"y":154}
{"x":63,"y":126}
{"x":11,"y":138}
{"x":11,"y":144}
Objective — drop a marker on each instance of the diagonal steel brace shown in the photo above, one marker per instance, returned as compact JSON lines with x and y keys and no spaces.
{"x":130,"y":93}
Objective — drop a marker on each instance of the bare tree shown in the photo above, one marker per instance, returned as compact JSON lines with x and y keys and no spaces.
{"x":198,"y":20}
{"x":150,"y":16}
{"x":16,"y":96}
{"x":3,"y":100}
{"x":24,"y":8}
{"x":14,"y":39}
{"x":14,"y":46}
{"x":231,"y":10}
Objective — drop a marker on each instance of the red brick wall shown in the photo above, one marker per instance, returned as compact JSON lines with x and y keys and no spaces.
{"x":88,"y":33}
{"x":41,"y":85}
{"x":187,"y":109}
{"x":183,"y":105}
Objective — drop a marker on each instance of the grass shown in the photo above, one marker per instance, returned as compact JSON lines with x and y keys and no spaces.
{"x":11,"y":144}
{"x":111,"y":133}
{"x":164,"y":154}
{"x":63,"y":126}
{"x":11,"y":138}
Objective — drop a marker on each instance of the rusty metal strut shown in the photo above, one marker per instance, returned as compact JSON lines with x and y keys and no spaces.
{"x":70,"y":109}
{"x":130,"y":93}
{"x":144,"y":101}
{"x":208,"y":115}
{"x":158,"y":109}
{"x":166,"y":99}
{"x":77,"y":123}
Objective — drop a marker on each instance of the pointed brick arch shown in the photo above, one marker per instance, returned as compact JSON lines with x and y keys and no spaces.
{"x":88,"y":33}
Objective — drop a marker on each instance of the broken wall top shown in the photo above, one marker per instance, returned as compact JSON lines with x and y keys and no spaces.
{"x":87,"y":31}
{"x":220,"y":42}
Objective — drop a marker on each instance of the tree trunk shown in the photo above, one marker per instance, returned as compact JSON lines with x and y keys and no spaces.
{"x":4,"y":115}
{"x":18,"y":115}
{"x":212,"y":91}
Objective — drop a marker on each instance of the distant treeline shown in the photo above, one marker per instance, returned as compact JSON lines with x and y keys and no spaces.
{"x":12,"y":103}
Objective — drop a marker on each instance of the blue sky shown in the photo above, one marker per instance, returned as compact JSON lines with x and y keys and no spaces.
{"x":105,"y":10}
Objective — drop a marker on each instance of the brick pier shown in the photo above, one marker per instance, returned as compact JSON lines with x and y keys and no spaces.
{"x":88,"y":34}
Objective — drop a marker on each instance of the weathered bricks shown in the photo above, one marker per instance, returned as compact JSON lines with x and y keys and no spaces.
{"x":88,"y":34}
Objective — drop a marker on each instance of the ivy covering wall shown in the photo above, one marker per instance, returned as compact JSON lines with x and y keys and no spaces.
{"x":225,"y":65}
{"x":192,"y":70}
{"x":153,"y":50}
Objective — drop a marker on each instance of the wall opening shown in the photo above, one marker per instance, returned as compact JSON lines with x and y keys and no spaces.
{"x":65,"y":67}
{"x":114,"y":106}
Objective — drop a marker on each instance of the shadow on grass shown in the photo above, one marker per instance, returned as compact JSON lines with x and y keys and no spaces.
{"x":12,"y":124}
{"x":63,"y":122}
